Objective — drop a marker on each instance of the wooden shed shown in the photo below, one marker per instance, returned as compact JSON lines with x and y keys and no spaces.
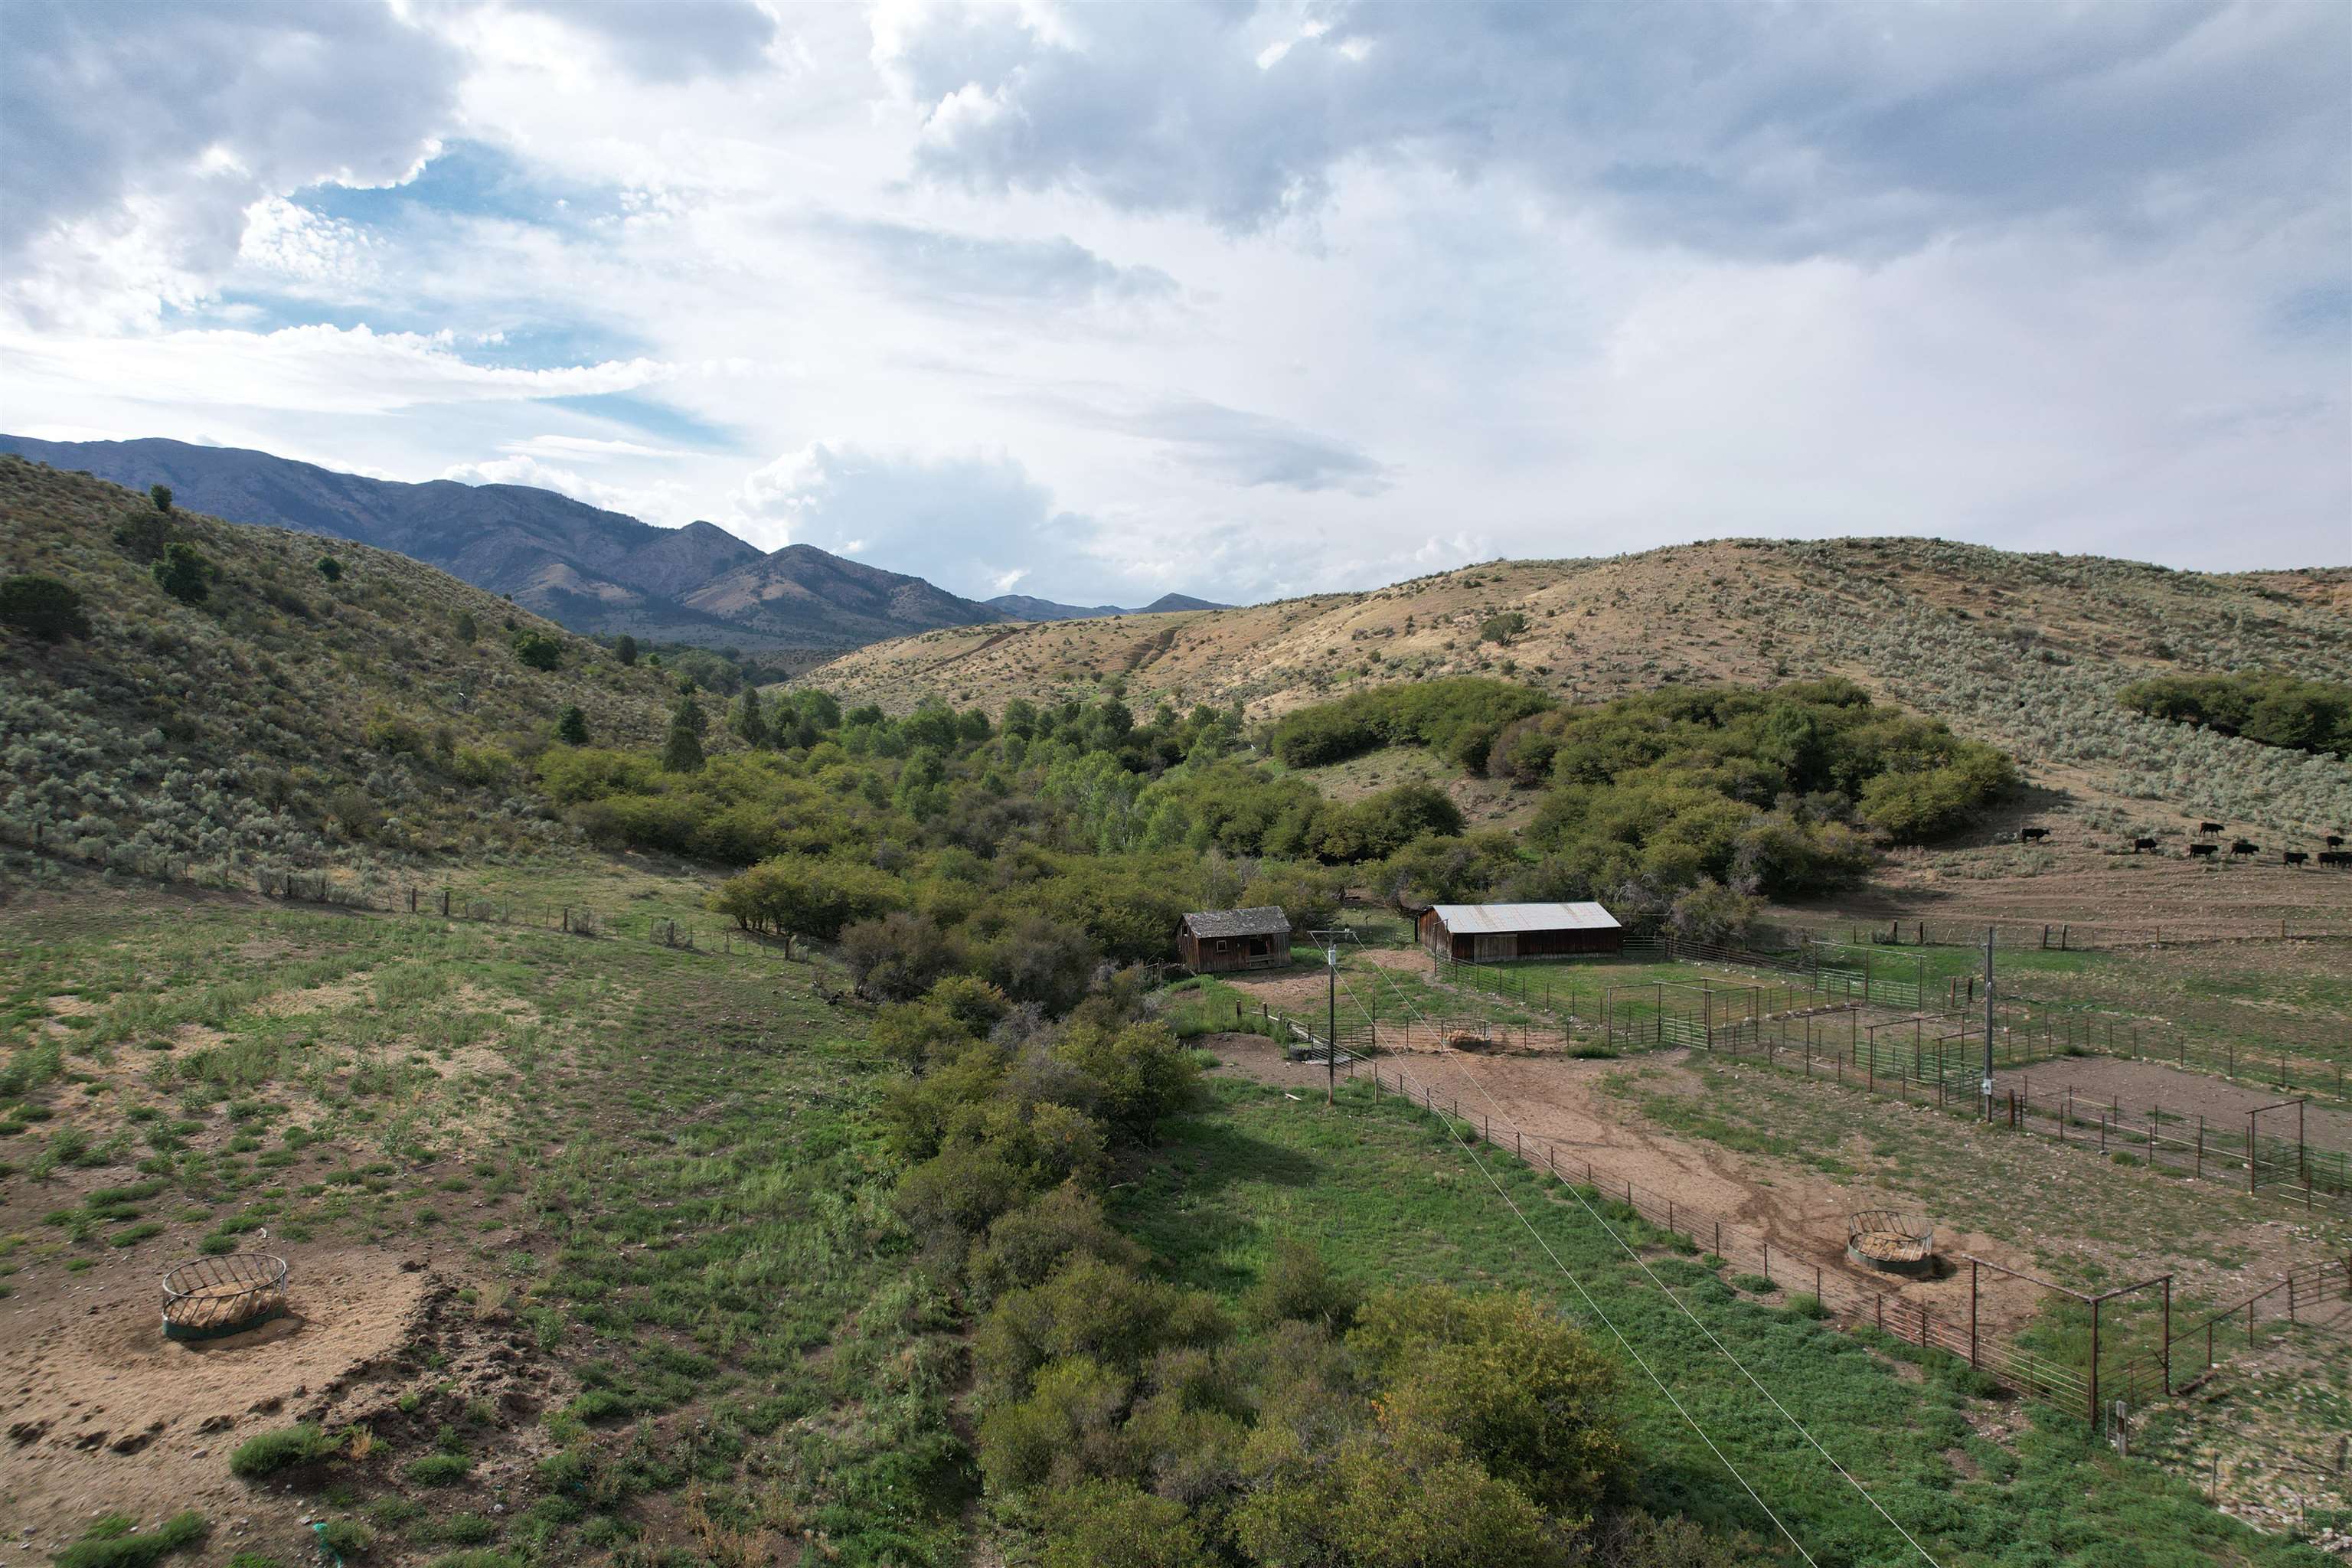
{"x":1491,"y":934}
{"x":1235,"y":939}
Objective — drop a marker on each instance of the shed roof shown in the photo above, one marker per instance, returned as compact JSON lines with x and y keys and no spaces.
{"x":1494,"y":920}
{"x":1267,"y":922}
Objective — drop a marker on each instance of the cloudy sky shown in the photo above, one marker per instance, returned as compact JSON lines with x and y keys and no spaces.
{"x":1097,"y":302}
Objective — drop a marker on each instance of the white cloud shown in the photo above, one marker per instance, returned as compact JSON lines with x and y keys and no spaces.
{"x":588,"y":448}
{"x":350,"y":370}
{"x":666,"y":504}
{"x":1089,"y":300}
{"x":954,"y":517}
{"x":138,"y":135}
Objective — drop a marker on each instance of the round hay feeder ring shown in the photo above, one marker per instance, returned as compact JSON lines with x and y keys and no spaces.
{"x":1890,"y":1241}
{"x":216,"y":1296}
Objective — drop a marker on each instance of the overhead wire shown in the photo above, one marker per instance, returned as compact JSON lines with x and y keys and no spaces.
{"x":1680,"y":1304}
{"x":1331,"y":1046}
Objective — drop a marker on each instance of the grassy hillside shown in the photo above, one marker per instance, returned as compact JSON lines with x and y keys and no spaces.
{"x":2028,"y":652}
{"x":285,"y":717}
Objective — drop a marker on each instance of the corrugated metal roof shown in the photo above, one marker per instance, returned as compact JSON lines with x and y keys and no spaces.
{"x":1267,"y":922}
{"x":1494,"y":920}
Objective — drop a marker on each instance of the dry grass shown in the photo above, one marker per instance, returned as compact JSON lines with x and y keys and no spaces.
{"x":2025,"y":651}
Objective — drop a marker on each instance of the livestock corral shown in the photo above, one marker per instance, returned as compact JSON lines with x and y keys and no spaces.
{"x":2120,"y":1186}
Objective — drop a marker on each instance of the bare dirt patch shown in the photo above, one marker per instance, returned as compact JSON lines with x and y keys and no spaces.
{"x":107,"y":1414}
{"x":2134,"y":1088}
{"x":329,"y":998}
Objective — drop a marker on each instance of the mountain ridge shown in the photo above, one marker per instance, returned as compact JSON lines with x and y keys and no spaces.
{"x":1027,"y":608}
{"x":595,"y":571}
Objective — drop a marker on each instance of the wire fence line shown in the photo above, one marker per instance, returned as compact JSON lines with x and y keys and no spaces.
{"x":1931,"y":1055}
{"x":1837,"y":973}
{"x":2138,"y":1373}
{"x":2018,"y":932}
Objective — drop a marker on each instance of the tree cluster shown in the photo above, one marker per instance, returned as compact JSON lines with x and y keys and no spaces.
{"x":1129,"y":1420}
{"x":2275,"y":709}
{"x":1457,"y":718}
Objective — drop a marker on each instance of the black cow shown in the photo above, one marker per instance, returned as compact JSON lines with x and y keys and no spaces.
{"x":2335,"y":841}
{"x":2199,"y":851}
{"x":2140,"y":844}
{"x":2242,"y":848}
{"x":2294,"y":858}
{"x":2335,"y":857}
{"x":2208,"y":827}
{"x":2030,"y":835}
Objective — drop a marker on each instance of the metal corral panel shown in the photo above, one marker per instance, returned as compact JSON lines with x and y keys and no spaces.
{"x":1496,"y":920}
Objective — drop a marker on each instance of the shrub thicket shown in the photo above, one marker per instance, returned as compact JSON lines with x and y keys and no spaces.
{"x":2274,"y":709}
{"x":42,"y":607}
{"x":1456,"y":717}
{"x":537,"y":649}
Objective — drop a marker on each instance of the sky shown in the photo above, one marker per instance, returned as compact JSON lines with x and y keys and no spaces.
{"x":1101,"y":301}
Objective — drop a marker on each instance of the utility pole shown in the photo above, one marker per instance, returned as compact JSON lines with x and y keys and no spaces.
{"x":1987,"y":1061}
{"x":1331,"y":1026}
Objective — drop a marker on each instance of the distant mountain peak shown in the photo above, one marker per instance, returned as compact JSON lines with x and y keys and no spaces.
{"x":1025,"y":607}
{"x":592,"y":570}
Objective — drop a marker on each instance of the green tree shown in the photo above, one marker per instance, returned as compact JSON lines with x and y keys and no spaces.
{"x":183,"y":574}
{"x":1525,"y":1394}
{"x":803,"y":895}
{"x":572,"y":726}
{"x":162,"y":495}
{"x":682,"y":752}
{"x":750,"y":721}
{"x":331,"y":569}
{"x":1108,"y":1524}
{"x":625,"y":648}
{"x":463,"y":627}
{"x":42,"y":607}
{"x":143,"y":534}
{"x":538,"y":649}
{"x":1502,"y":628}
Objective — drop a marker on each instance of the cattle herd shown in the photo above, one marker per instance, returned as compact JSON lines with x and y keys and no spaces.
{"x":2241,"y":849}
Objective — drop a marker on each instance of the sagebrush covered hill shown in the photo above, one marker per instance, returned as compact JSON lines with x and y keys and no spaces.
{"x":2026,"y":652}
{"x":384,"y":710}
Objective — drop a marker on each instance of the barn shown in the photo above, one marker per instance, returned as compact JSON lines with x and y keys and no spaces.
{"x":1488,"y":933}
{"x":1235,"y":939}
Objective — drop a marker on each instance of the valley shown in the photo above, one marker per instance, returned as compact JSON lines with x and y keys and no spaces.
{"x":704,"y":1119}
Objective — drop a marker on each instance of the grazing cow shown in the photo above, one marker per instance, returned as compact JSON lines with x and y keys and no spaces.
{"x":2199,"y":851}
{"x":2335,"y":857}
{"x":2242,"y":848}
{"x":2140,"y":844}
{"x":2294,"y":858}
{"x":2335,"y":841}
{"x":2208,"y":827}
{"x":2032,"y":834}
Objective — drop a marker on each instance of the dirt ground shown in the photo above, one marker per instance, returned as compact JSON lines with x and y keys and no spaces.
{"x":2074,"y":872}
{"x":105,"y":1414}
{"x":1557,"y":1104}
{"x":2135,"y":1087}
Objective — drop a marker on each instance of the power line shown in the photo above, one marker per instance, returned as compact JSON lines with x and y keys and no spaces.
{"x":1594,"y":1308}
{"x":1680,"y":1305}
